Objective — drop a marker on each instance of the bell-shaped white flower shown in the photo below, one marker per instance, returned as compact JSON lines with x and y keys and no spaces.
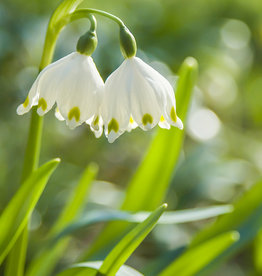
{"x":73,"y":83}
{"x":137,"y":95}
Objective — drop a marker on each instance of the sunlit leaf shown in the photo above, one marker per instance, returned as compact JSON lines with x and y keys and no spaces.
{"x":121,"y":252}
{"x":17,"y":212}
{"x":246,"y":219}
{"x":45,"y":261}
{"x":198,"y":257}
{"x":150,"y":182}
{"x":169,"y":217}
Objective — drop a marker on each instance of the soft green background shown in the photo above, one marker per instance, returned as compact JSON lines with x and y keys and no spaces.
{"x":222,"y":155}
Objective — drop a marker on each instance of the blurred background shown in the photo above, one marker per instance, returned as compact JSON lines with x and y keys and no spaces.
{"x":222,"y":154}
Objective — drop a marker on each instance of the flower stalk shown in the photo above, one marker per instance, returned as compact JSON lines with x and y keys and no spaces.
{"x":18,"y":253}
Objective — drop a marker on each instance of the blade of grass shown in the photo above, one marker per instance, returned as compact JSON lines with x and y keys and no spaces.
{"x":243,"y":209}
{"x":46,"y":260}
{"x":198,"y":257}
{"x":170,"y":217}
{"x":149,"y":184}
{"x":16,"y":214}
{"x":18,"y":253}
{"x":245,"y":219}
{"x":121,"y":252}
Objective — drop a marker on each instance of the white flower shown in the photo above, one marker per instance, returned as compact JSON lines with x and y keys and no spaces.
{"x":137,"y":95}
{"x":74,"y":84}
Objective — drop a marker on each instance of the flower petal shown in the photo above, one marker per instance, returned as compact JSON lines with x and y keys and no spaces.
{"x":115,"y":108}
{"x":81,"y":89}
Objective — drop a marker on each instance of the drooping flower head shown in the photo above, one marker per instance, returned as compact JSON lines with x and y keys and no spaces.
{"x":133,"y":95}
{"x":137,"y":95}
{"x":73,"y":83}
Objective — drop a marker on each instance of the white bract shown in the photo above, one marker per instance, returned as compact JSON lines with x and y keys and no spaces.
{"x":137,"y":95}
{"x":75,"y":85}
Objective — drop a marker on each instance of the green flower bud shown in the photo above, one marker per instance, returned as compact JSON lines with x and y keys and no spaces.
{"x":87,"y":43}
{"x":127,"y":43}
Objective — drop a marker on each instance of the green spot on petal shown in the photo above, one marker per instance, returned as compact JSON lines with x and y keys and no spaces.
{"x":162,"y":119}
{"x":147,"y":119}
{"x":96,"y":120}
{"x":26,"y":102}
{"x":131,"y":120}
{"x":42,"y":103}
{"x":173,"y":114}
{"x":113,"y":125}
{"x":74,"y":113}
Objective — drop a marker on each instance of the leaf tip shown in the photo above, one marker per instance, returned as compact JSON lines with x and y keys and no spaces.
{"x":57,"y":160}
{"x":191,"y":63}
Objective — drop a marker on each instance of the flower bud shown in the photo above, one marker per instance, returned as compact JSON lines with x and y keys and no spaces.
{"x":127,"y":43}
{"x":87,"y":43}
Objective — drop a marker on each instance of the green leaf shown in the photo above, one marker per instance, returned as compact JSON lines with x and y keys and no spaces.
{"x":45,"y":261}
{"x":149,"y":184}
{"x":121,"y":252}
{"x":75,"y":204}
{"x":92,"y":268}
{"x":243,"y":209}
{"x":170,"y":217}
{"x":66,"y":7}
{"x":245,"y":219}
{"x":198,"y":257}
{"x":17,"y":212}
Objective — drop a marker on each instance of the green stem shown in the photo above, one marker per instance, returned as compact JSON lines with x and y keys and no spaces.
{"x":33,"y":145}
{"x":85,"y":13}
{"x":93,"y":23}
{"x":16,"y":258}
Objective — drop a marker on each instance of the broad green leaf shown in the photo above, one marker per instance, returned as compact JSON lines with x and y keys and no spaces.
{"x":121,"y":252}
{"x":198,"y":257}
{"x":169,"y":217}
{"x":149,"y":184}
{"x":245,"y":219}
{"x":92,"y":268}
{"x":45,"y":261}
{"x":17,"y":212}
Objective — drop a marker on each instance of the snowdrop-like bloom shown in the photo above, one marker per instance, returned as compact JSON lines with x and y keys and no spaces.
{"x":75,"y":85}
{"x":137,"y":95}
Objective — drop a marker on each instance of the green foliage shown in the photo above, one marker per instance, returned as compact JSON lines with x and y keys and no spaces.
{"x":244,"y":209}
{"x":195,"y":259}
{"x":47,"y":258}
{"x":149,"y":184}
{"x":169,"y":217}
{"x":115,"y":260}
{"x":17,"y":212}
{"x":66,"y":7}
{"x":157,"y":167}
{"x":129,"y":243}
{"x":246,"y":219}
{"x":225,"y":38}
